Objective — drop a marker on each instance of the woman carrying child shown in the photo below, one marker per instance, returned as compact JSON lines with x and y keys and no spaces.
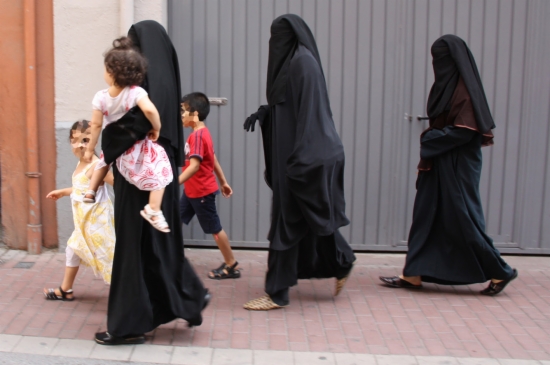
{"x":153,"y":283}
{"x":93,"y":240}
{"x":146,"y":164}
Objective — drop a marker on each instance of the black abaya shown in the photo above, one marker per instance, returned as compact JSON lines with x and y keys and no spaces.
{"x":314,"y":257}
{"x":307,"y":166}
{"x":304,"y":165}
{"x":447,"y":241}
{"x":152,"y":282}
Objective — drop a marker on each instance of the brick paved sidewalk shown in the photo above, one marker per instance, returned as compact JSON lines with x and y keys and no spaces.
{"x":365,"y":318}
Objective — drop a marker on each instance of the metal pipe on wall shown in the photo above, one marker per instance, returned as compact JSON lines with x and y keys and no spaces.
{"x":34,"y":226}
{"x":126,"y":15}
{"x":45,"y":106}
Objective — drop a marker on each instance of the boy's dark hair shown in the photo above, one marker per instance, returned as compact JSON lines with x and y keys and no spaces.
{"x":197,"y":102}
{"x":79,"y":125}
{"x":125,"y":64}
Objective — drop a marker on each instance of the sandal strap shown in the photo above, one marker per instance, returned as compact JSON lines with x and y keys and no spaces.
{"x":64,"y":293}
{"x":225,"y":269}
{"x":160,"y":222}
{"x":89,"y":192}
{"x":150,"y":211}
{"x":232,"y":267}
{"x":51,"y":294}
{"x":219,"y":271}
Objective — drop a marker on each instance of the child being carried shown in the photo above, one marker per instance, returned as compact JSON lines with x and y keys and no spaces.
{"x":145,"y":164}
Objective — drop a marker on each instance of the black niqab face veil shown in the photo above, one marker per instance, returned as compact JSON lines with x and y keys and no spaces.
{"x":286,"y":31}
{"x":162,"y":80}
{"x":452,"y":59}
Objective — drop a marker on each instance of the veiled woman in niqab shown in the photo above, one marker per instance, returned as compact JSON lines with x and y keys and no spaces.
{"x":152,"y":281}
{"x":447,"y":241}
{"x":304,"y":167}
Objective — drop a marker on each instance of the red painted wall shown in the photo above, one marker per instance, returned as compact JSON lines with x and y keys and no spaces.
{"x":13,"y":159}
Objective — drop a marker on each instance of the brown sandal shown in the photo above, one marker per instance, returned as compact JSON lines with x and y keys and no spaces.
{"x":264,"y":303}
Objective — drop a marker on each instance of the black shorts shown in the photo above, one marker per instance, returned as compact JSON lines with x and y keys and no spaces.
{"x":204,"y":208}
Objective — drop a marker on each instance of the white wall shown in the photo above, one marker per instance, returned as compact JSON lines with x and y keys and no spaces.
{"x":83,"y":31}
{"x":151,"y":9}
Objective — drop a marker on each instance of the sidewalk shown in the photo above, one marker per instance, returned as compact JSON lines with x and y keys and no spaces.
{"x":365,"y":322}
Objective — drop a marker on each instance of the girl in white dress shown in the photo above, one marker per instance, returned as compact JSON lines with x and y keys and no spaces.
{"x":145,"y":164}
{"x":92,"y":243}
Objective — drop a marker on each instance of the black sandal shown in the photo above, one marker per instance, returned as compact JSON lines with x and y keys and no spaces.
{"x":495,"y":288}
{"x":397,"y":282}
{"x":225,"y":272}
{"x":51,"y":295}
{"x":105,"y":338}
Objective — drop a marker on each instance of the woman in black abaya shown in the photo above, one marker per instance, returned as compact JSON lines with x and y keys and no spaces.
{"x":152,"y":282}
{"x":304,"y":167}
{"x":447,"y":240}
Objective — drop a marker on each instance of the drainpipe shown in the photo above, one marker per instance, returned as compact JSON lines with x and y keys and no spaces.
{"x":34,"y":227}
{"x":126,"y":16}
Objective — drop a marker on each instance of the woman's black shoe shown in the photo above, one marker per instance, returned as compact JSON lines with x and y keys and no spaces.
{"x":104,"y":338}
{"x":495,"y":288}
{"x":397,"y":282}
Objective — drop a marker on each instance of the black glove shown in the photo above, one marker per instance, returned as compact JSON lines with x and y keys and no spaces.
{"x":259,"y":115}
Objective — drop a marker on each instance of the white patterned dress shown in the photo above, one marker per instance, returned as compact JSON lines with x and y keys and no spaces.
{"x":93,"y":238}
{"x":145,"y":164}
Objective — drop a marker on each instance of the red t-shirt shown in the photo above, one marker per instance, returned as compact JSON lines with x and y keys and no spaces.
{"x":203,"y":182}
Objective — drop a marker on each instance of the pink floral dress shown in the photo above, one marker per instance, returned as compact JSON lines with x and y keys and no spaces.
{"x":145,"y":164}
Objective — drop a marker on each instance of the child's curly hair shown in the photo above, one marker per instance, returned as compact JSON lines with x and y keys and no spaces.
{"x":126,"y":65}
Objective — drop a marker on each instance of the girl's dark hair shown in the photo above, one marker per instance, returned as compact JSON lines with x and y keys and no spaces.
{"x":125,"y":64}
{"x":80,"y":125}
{"x":197,"y":102}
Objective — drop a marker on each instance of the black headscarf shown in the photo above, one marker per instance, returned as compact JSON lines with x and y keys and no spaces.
{"x":452,"y":59}
{"x":286,"y":31}
{"x":162,"y":80}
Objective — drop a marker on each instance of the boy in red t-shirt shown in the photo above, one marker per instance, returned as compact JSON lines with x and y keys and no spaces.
{"x":199,"y":195}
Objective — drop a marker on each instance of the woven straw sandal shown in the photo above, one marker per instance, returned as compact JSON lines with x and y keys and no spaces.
{"x":159,"y":223}
{"x":262,"y":304}
{"x":341,"y":282}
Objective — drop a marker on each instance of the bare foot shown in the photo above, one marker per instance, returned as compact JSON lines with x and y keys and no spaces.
{"x":415,"y":280}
